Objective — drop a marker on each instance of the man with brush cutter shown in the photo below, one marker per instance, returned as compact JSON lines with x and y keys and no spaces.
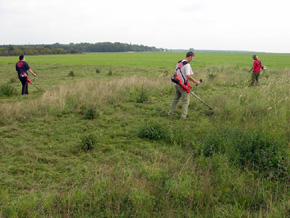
{"x":256,"y":69}
{"x":22,"y":68}
{"x":183,"y":73}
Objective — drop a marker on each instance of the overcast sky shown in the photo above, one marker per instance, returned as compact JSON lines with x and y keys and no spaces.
{"x":248,"y":25}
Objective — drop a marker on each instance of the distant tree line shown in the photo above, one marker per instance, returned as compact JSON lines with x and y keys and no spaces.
{"x":72,"y":48}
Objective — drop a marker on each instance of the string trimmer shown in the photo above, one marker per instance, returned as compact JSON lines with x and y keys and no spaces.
{"x":176,"y":79}
{"x":29,"y":81}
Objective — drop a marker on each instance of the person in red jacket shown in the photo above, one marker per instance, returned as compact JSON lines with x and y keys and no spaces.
{"x":22,"y":68}
{"x":256,"y":69}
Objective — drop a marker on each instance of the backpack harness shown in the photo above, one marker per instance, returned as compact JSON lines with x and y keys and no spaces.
{"x":260,"y":64}
{"x":22,"y":73}
{"x":176,"y":78}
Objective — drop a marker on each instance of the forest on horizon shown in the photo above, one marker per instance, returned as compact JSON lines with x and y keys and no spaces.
{"x":74,"y":48}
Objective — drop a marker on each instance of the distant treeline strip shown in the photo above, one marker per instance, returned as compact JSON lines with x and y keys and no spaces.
{"x":72,"y":48}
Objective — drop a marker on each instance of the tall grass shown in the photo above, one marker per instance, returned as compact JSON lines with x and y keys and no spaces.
{"x":86,"y":93}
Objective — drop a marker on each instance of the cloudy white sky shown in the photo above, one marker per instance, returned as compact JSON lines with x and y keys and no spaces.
{"x":248,"y":25}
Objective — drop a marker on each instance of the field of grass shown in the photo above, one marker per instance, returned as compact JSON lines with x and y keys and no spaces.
{"x":96,"y":141}
{"x":202,"y":59}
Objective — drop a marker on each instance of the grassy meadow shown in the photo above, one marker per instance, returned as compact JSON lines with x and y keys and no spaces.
{"x":95,"y":140}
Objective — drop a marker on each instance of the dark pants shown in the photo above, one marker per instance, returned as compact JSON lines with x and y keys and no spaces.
{"x":255,"y":77}
{"x":24,"y":82}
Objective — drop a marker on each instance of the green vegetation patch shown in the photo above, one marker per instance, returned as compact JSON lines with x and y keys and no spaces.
{"x":249,"y":150}
{"x":7,"y":90}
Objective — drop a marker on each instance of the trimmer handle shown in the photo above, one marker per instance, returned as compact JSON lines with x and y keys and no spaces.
{"x":199,"y":81}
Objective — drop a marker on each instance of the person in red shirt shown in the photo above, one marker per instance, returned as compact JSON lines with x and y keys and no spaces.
{"x":22,"y":68}
{"x":256,"y":70}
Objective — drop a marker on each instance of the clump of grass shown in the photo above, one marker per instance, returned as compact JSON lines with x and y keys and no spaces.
{"x":176,"y":136}
{"x":7,"y":90}
{"x":98,"y":70}
{"x":71,"y":74}
{"x":13,"y":80}
{"x":142,"y":95}
{"x":88,"y":142}
{"x":110,"y":73}
{"x":211,"y":76}
{"x":90,"y":114}
{"x":154,"y":131}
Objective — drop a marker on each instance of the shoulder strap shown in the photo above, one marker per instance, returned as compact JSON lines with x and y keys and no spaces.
{"x":184,"y":62}
{"x":179,"y":66}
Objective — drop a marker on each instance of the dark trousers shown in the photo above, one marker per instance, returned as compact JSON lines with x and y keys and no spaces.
{"x":24,"y":85}
{"x":255,"y":77}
